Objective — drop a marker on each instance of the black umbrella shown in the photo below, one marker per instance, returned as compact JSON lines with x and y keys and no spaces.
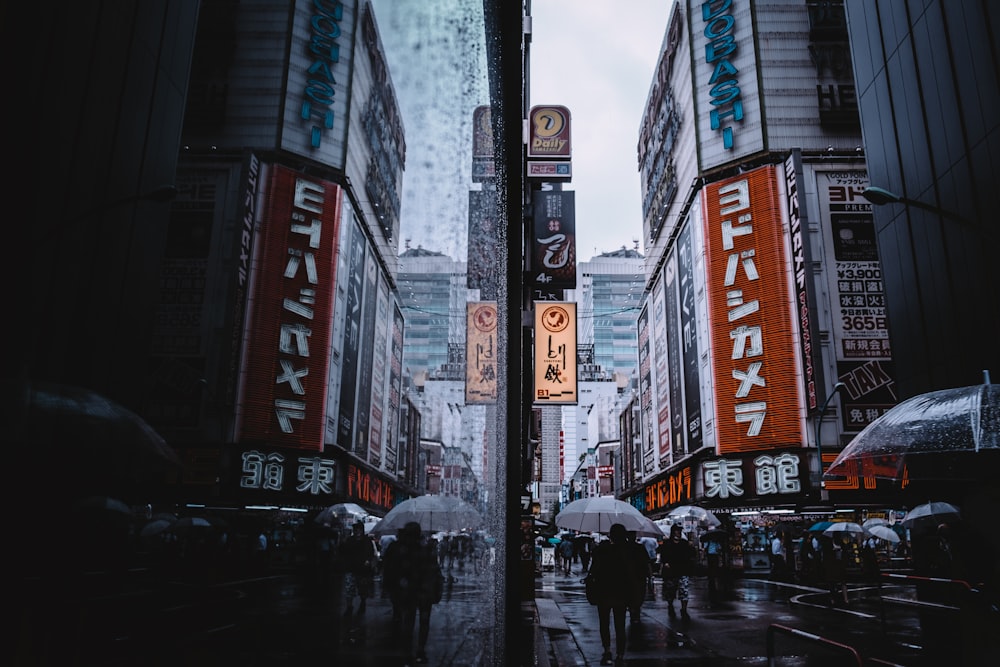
{"x":88,"y":444}
{"x":951,"y":434}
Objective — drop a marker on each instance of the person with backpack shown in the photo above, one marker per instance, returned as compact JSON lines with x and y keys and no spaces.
{"x":413,"y":579}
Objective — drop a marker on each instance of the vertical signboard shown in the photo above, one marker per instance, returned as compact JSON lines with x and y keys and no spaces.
{"x":362,"y":413}
{"x":481,"y":353}
{"x":661,"y":376}
{"x":288,"y":342}
{"x":689,"y":339}
{"x":553,"y":246}
{"x":860,"y":321}
{"x":395,"y":390}
{"x":483,"y":160}
{"x":549,"y":132}
{"x":729,"y":119}
{"x":379,"y":376}
{"x":645,"y":375}
{"x":805,"y":299}
{"x":483,"y":260}
{"x":314,"y":119}
{"x":555,"y":352}
{"x":356,"y":251}
{"x":754,"y":340}
{"x":675,"y":361}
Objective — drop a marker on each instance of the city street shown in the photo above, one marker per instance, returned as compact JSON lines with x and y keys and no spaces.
{"x":282,"y":617}
{"x":735,"y":631}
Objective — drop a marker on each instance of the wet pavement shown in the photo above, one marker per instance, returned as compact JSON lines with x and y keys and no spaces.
{"x":279,"y":617}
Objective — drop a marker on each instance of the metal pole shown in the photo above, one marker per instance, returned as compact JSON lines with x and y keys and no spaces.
{"x":823,"y":495}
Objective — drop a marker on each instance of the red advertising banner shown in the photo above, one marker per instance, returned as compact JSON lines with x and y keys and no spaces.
{"x":758,"y":398}
{"x":287,"y":366}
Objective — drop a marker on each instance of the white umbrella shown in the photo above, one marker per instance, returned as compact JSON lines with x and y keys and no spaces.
{"x":848,"y":527}
{"x":598,"y":514}
{"x":871,"y":523}
{"x":933,"y":513}
{"x":433,"y":513}
{"x":884,"y":533}
{"x":696,"y":514}
{"x":341,"y":512}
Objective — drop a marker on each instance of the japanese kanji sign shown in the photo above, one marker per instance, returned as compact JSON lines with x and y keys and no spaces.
{"x":481,"y":352}
{"x":555,"y":352}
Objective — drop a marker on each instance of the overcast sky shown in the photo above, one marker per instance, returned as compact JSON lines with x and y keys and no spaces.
{"x":594,"y":57}
{"x":597,"y":59}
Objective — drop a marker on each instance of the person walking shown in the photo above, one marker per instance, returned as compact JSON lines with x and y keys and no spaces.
{"x":358,"y":555}
{"x":677,"y":560}
{"x":565,"y":552}
{"x":778,"y":561}
{"x":640,"y":565}
{"x":412,"y":576}
{"x":619,"y":581}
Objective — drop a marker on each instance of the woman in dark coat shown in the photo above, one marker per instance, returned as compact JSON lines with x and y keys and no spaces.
{"x":412,"y":577}
{"x":620,"y":581}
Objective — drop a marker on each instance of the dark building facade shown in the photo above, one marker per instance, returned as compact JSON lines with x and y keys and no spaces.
{"x":928,"y":84}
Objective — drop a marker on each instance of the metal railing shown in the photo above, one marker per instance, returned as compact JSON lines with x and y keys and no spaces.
{"x":775,"y":628}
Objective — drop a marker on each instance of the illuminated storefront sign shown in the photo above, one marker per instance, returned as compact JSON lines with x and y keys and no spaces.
{"x":481,"y":353}
{"x":553,"y":257}
{"x":265,"y":471}
{"x":754,"y":339}
{"x":366,"y":488}
{"x":555,"y":352}
{"x":549,"y":132}
{"x":726,"y":97}
{"x":288,"y":344}
{"x":766,"y":475}
{"x":675,"y":488}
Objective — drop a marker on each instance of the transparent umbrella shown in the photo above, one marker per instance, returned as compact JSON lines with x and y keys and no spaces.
{"x":844,"y":528}
{"x":884,"y":532}
{"x":433,"y":513}
{"x":598,"y":514}
{"x":932,"y":512}
{"x":696,"y":514}
{"x":942,"y":435}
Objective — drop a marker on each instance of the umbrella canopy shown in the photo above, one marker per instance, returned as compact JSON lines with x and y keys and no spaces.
{"x":598,"y":514}
{"x":820,"y":526}
{"x":155,"y":527}
{"x":844,"y":528}
{"x":695,"y":514}
{"x":946,"y":434}
{"x":189,"y":522}
{"x":871,"y":523}
{"x":884,"y":532}
{"x":102,"y":447}
{"x":341,"y":512}
{"x":433,"y":513}
{"x":932,"y":513}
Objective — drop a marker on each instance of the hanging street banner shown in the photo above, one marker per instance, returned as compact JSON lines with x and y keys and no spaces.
{"x":555,"y":353}
{"x":480,"y":353}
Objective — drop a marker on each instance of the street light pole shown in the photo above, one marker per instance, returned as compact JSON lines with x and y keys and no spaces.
{"x":880,"y":197}
{"x":823,"y":494}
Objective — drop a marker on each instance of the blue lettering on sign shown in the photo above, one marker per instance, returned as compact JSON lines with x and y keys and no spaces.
{"x":319,"y":92}
{"x":725,"y":93}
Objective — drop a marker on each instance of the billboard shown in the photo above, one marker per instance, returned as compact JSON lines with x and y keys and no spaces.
{"x":483,"y":160}
{"x":288,"y":341}
{"x":553,"y":246}
{"x":357,"y":251}
{"x":317,"y":81}
{"x":555,"y":353}
{"x":483,"y":259}
{"x":860,"y":321}
{"x":549,"y":132}
{"x":481,"y":352}
{"x":754,"y":340}
{"x":728,"y":114}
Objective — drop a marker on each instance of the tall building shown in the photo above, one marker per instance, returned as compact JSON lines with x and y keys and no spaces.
{"x":928,"y":86}
{"x":610,"y":294}
{"x":762,"y":264}
{"x":433,"y":296}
